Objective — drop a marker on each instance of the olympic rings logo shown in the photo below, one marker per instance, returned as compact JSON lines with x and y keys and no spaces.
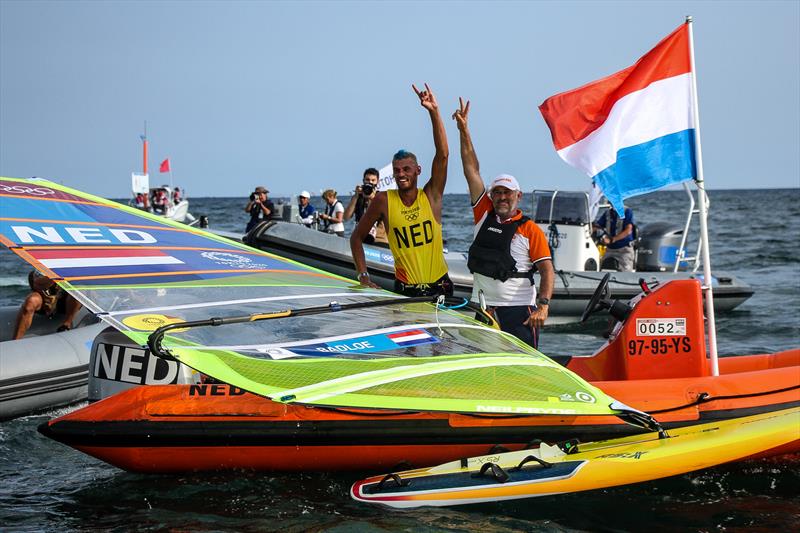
{"x":23,"y":189}
{"x":411,"y":216}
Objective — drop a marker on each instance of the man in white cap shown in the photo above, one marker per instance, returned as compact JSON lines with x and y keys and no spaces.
{"x":508,"y":248}
{"x":306,"y":209}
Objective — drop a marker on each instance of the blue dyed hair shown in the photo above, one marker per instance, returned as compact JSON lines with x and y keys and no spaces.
{"x":404,"y":154}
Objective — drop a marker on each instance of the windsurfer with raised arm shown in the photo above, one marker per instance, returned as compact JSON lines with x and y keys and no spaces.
{"x":412,"y":218}
{"x":508,"y":247}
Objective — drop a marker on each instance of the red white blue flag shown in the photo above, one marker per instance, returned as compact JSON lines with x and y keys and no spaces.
{"x":633,"y":131}
{"x":102,"y":258}
{"x":411,"y":337}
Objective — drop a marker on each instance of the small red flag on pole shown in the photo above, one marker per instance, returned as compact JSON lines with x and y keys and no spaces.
{"x":164,"y":165}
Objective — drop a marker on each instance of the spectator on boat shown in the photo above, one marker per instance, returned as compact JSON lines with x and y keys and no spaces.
{"x":45,"y":298}
{"x":307,"y":211}
{"x":140,"y":200}
{"x":332,"y":217}
{"x":412,"y":218}
{"x":160,"y":201}
{"x":359,"y":203}
{"x":507,"y":249}
{"x":176,"y":196}
{"x":260,"y":208}
{"x":618,"y":237}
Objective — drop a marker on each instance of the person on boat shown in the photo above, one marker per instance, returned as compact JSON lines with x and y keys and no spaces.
{"x":307,"y":211}
{"x":618,"y":237}
{"x":412,"y":218}
{"x":359,"y":203}
{"x":176,"y":195}
{"x":260,"y":208}
{"x":45,"y":298}
{"x":139,"y":200}
{"x":160,"y":202}
{"x":332,"y":217}
{"x":507,"y":249}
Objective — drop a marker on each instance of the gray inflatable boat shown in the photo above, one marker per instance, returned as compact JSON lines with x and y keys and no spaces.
{"x":572,"y":291}
{"x":44,"y":369}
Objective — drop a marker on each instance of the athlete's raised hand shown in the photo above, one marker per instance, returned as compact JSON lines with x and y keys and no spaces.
{"x":460,"y":116}
{"x":426,"y":98}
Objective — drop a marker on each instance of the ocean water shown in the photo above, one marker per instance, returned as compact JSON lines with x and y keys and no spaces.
{"x":45,"y":486}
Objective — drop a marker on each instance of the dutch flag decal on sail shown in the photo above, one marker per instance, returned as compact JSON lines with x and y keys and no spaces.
{"x":411,"y":337}
{"x":71,"y":258}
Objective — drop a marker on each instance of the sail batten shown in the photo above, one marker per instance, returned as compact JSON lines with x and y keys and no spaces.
{"x":244,"y":301}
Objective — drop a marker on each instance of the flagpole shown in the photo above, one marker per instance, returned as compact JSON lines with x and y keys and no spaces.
{"x":702,"y":199}
{"x":144,"y":149}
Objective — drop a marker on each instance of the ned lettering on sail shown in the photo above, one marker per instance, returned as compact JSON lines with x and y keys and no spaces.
{"x":82,"y":235}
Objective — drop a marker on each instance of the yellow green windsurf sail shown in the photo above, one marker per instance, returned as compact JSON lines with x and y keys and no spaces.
{"x":138,"y":272}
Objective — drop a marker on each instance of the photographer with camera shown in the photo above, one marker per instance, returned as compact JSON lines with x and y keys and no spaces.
{"x":259,"y":207}
{"x":359,"y":203}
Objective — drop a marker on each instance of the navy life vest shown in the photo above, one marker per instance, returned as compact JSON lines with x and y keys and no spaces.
{"x":490,"y":253}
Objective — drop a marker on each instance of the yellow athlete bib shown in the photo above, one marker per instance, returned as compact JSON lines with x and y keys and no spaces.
{"x":415,"y":239}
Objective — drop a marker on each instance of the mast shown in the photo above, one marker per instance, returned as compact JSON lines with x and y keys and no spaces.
{"x":702,"y":200}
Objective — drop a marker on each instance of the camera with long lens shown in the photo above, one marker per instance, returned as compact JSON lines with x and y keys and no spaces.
{"x":254,"y":196}
{"x":367,"y":189}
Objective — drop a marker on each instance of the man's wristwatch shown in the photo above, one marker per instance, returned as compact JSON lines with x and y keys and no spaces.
{"x":542,"y":301}
{"x":363,"y":275}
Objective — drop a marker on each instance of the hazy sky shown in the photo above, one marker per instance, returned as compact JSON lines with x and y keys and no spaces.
{"x":305,"y":95}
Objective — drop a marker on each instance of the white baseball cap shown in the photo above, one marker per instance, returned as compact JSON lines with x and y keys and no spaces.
{"x":304,"y":194}
{"x":505,"y":180}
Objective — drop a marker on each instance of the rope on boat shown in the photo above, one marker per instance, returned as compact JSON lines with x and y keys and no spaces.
{"x":705,"y":397}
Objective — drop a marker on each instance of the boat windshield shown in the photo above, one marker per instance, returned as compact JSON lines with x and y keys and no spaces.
{"x":561,"y":207}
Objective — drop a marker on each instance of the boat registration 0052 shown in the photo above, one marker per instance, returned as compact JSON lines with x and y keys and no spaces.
{"x":653,"y":327}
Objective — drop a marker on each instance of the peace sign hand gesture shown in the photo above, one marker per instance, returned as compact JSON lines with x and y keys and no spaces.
{"x":460,"y":116}
{"x":426,"y":98}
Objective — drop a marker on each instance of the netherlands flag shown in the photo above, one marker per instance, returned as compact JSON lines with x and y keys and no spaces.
{"x":632,"y":132}
{"x":83,"y":258}
{"x":411,"y":337}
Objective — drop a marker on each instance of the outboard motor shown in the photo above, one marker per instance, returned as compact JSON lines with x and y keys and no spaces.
{"x":116,"y":364}
{"x":659,"y":244}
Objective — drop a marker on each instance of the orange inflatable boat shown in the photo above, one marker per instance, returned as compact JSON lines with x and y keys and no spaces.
{"x":654,"y":361}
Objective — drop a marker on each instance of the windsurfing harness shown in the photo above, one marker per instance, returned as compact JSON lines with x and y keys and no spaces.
{"x":490,"y":253}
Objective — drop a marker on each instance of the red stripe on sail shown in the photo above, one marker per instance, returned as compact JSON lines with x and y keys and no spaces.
{"x":406,"y":334}
{"x":73,"y":254}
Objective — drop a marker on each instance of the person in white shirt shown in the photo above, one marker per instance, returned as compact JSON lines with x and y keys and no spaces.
{"x":334,"y":212}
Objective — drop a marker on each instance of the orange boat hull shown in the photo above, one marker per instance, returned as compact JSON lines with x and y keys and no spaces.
{"x":175,"y":428}
{"x":178,"y":428}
